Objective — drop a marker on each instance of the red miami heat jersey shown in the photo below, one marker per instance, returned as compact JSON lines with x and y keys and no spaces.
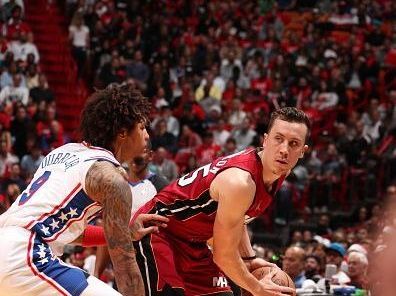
{"x":191,"y":209}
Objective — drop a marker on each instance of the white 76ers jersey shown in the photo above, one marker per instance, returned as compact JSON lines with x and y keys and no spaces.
{"x":55,"y":204}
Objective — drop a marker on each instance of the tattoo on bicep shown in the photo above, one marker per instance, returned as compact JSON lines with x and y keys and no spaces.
{"x":105,"y":184}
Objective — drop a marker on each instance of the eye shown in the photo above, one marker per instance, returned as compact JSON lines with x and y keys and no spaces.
{"x":278,"y":139}
{"x":293,"y":143}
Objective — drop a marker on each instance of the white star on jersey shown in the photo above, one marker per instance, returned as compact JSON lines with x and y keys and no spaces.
{"x":45,"y":230}
{"x":41,"y":253}
{"x":42,"y":247}
{"x":73,"y":212}
{"x":54,"y":224}
{"x":53,"y":258}
{"x":44,"y":260}
{"x":63,"y":217}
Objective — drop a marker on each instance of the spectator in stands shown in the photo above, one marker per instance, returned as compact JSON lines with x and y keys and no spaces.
{"x":15,"y":93}
{"x":357,"y":270}
{"x":31,"y":161}
{"x":324,"y":98}
{"x":15,"y":24}
{"x":237,"y":114}
{"x":10,"y":195}
{"x":230,"y":65}
{"x":230,"y":147}
{"x":208,"y":89}
{"x":14,"y":176}
{"x":24,"y":46}
{"x":313,"y":268}
{"x":21,"y":128}
{"x":244,"y":134}
{"x":79,"y":38}
{"x":323,"y":227}
{"x":334,"y":255}
{"x":191,"y":165}
{"x":189,"y":140}
{"x":163,"y":166}
{"x":212,"y":117}
{"x":172,"y":123}
{"x":208,"y":150}
{"x":49,"y":131}
{"x":220,"y":132}
{"x":6,"y":159}
{"x":162,"y":138}
{"x":374,"y":129}
{"x":138,"y":70}
{"x":112,"y":72}
{"x":5,"y":134}
{"x":42,"y":92}
{"x":32,"y":77}
{"x":293,"y":265}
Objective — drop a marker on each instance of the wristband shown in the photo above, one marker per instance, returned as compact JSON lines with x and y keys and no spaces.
{"x":93,"y":236}
{"x":249,"y":258}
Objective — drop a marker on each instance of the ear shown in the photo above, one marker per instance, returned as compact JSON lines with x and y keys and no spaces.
{"x":265,"y":139}
{"x":305,"y":148}
{"x":122,"y":134}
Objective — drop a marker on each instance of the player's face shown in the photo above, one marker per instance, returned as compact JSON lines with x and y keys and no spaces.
{"x":284,"y":145}
{"x":135,"y":142}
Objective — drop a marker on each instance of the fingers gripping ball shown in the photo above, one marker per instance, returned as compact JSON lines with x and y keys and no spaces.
{"x":280,"y":277}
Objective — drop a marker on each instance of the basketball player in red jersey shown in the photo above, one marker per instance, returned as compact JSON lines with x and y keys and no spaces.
{"x":217,"y":200}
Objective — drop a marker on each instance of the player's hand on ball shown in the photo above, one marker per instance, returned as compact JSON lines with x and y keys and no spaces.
{"x":269,"y":288}
{"x":145,"y":224}
{"x":257,"y":263}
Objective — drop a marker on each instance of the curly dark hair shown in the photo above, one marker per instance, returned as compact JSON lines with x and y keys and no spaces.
{"x":290,"y":114}
{"x":108,"y":111}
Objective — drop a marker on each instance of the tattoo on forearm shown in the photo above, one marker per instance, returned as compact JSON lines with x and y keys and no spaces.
{"x":105,"y":184}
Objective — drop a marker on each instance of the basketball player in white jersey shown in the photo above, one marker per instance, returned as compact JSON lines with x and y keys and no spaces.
{"x":73,"y":185}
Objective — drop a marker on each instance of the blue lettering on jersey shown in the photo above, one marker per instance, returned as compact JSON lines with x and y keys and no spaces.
{"x":68,"y":159}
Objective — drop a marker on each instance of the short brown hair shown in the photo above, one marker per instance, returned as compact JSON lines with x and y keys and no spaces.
{"x":110,"y":110}
{"x":290,"y":114}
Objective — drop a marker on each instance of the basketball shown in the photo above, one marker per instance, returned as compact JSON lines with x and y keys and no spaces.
{"x":280,"y":278}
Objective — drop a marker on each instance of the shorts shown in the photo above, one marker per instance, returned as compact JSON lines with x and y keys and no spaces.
{"x":171,"y":266}
{"x":28,"y":267}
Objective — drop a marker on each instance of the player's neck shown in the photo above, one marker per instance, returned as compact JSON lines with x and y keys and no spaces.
{"x":269,"y":177}
{"x":139,"y":176}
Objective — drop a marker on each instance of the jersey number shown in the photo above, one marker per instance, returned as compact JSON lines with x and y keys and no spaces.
{"x":206,"y":169}
{"x":28,"y":193}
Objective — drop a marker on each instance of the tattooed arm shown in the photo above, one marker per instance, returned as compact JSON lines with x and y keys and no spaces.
{"x":105,"y":184}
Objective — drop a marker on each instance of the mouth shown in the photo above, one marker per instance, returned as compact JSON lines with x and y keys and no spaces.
{"x":282,"y":162}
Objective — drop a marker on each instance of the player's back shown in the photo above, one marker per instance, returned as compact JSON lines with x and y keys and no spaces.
{"x":54,"y":205}
{"x":187,"y":201}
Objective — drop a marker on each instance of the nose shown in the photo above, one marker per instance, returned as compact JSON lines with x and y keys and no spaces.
{"x":284,"y":149}
{"x":146,"y":135}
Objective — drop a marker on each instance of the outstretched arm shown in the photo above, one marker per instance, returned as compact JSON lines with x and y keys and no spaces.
{"x":105,"y":184}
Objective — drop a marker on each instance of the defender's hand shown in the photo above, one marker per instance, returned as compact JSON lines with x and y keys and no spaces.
{"x":145,"y":224}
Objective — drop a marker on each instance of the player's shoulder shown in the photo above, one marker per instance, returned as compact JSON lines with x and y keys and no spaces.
{"x":88,"y":152}
{"x":235,"y":177}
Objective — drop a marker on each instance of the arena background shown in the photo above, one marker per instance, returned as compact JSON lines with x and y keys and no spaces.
{"x":214,"y":70}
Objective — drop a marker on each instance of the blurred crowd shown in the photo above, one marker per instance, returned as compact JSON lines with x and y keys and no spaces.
{"x":28,"y":125}
{"x":214,"y":70}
